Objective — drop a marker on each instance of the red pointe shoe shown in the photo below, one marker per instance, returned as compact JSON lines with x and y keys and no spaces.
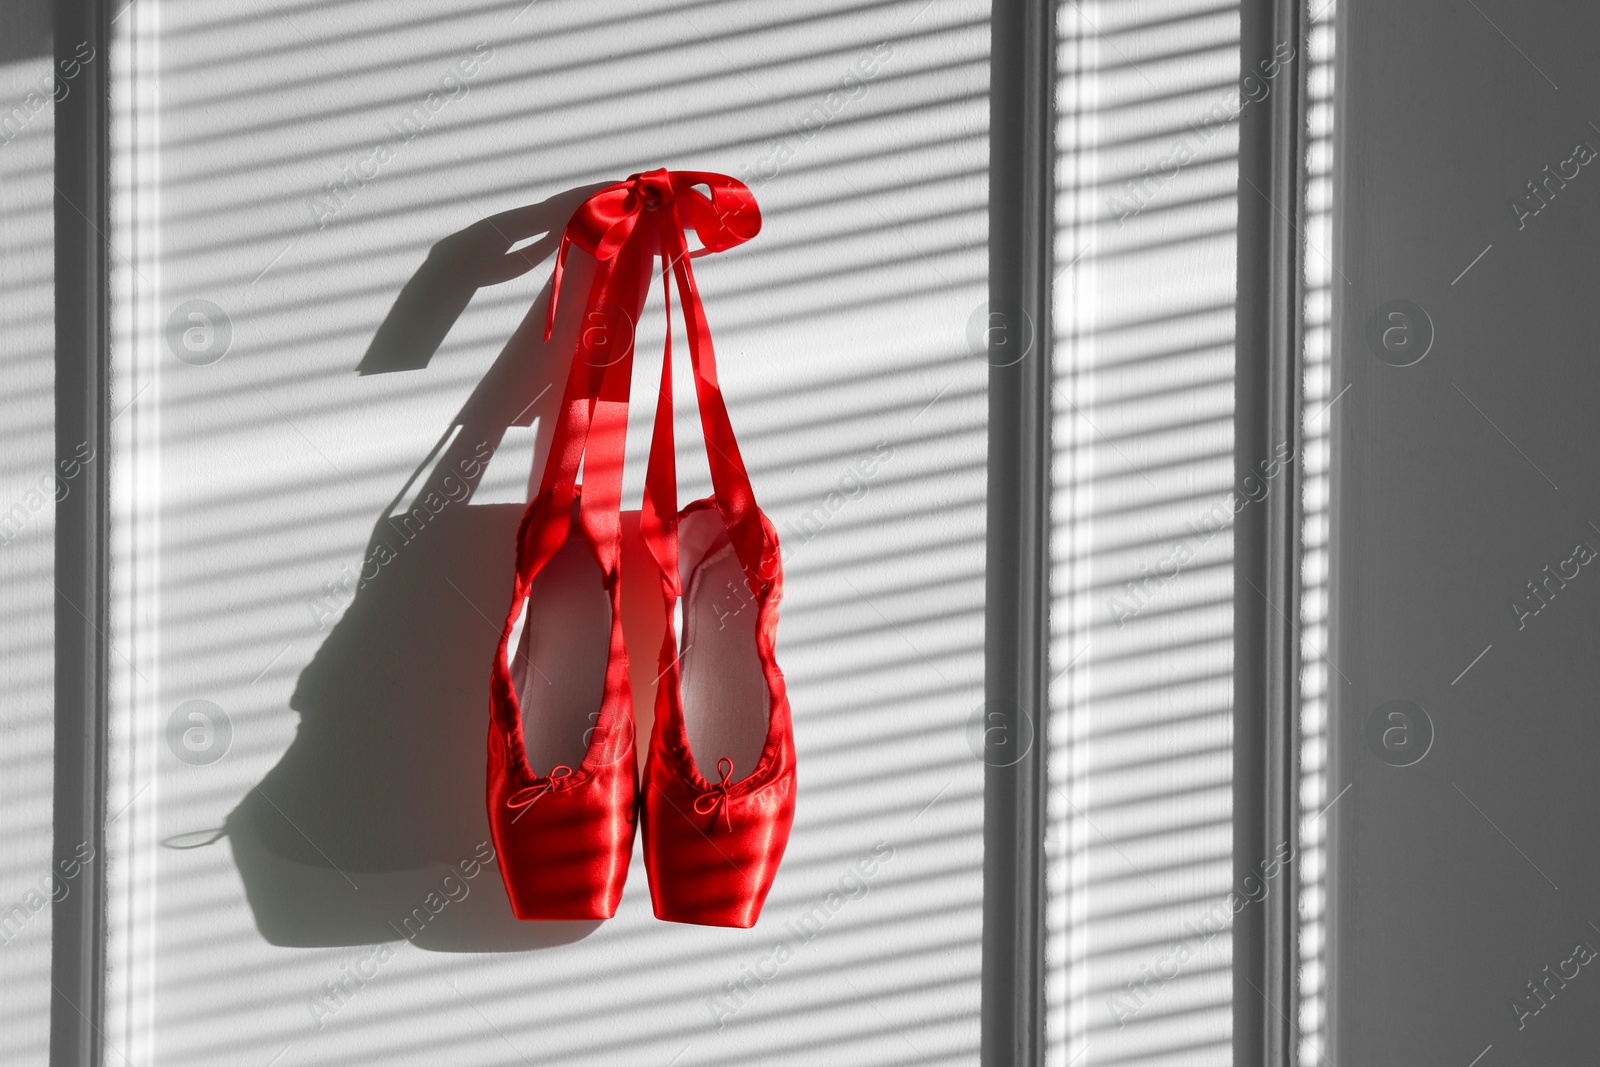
{"x":563,"y":835}
{"x":563,"y":838}
{"x":712,"y":848}
{"x":712,"y":842}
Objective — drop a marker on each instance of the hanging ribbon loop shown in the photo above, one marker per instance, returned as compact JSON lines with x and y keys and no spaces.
{"x":648,"y":215}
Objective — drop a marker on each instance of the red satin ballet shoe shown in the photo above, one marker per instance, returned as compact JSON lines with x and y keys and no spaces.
{"x":712,"y":845}
{"x":712,"y":849}
{"x":563,"y":839}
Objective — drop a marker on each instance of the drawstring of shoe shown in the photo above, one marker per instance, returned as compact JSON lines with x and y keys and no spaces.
{"x":714,"y":801}
{"x":525,"y":798}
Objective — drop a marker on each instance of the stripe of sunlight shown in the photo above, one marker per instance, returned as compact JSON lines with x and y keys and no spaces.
{"x":1316,"y":791}
{"x":1139,"y":839}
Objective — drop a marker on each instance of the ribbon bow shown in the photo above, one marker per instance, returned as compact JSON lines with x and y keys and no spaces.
{"x":524,"y":798}
{"x":604,"y":224}
{"x":715,"y":800}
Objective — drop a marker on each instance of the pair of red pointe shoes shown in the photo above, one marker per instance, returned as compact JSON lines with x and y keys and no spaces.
{"x":716,"y":797}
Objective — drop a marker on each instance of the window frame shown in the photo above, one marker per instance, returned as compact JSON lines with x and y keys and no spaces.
{"x":1017,"y":669}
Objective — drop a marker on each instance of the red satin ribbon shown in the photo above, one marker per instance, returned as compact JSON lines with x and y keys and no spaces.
{"x":625,"y":227}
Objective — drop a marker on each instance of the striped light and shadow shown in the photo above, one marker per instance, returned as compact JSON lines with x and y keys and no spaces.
{"x":273,"y":162}
{"x":29,"y":487}
{"x":1140,"y":799}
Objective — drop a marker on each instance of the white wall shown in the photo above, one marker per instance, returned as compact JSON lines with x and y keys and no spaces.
{"x":1462,"y":512}
{"x":27,"y":529}
{"x":247,"y":486}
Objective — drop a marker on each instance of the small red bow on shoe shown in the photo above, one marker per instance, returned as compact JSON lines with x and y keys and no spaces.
{"x":524,"y":798}
{"x":715,"y":799}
